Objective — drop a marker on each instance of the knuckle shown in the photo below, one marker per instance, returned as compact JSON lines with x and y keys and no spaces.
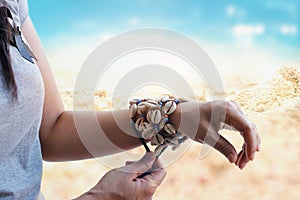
{"x":232,"y":104}
{"x":229,"y":107}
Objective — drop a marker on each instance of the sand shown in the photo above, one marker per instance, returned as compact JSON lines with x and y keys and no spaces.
{"x":273,"y":105}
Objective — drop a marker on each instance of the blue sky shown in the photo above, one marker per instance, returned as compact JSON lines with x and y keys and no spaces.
{"x":261,"y":27}
{"x":214,"y":20}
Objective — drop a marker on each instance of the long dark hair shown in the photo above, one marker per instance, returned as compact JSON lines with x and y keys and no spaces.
{"x":5,"y":59}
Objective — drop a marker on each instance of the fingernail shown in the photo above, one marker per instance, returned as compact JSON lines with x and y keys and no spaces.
{"x":259,"y":147}
{"x":252,"y":156}
{"x":242,"y":165}
{"x":231,"y":158}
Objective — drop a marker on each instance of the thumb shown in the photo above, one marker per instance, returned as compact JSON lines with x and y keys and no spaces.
{"x":144,"y":164}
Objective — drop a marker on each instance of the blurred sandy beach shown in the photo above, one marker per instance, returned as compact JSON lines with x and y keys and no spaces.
{"x":272,"y":104}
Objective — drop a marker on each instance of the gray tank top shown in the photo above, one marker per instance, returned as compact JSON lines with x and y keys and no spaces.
{"x":20,"y":151}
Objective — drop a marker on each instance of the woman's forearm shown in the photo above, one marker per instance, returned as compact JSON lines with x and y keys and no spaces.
{"x":88,"y":136}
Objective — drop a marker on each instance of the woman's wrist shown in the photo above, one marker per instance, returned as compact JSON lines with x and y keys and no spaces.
{"x":94,"y":195}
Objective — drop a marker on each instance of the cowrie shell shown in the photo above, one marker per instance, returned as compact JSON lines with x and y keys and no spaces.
{"x":152,"y":101}
{"x":139,"y":124}
{"x":148,"y":133}
{"x":161,"y":125}
{"x":164,"y":98}
{"x":148,"y":105}
{"x":142,"y":109}
{"x":146,"y":125}
{"x":155,"y":116}
{"x":158,"y":150}
{"x":148,"y":116}
{"x":170,"y":107}
{"x":157,"y":139}
{"x":132,"y":110}
{"x":133,"y":101}
{"x":169,"y":128}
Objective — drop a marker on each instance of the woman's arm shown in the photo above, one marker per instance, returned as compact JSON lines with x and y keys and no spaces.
{"x":58,"y":135}
{"x":60,"y":139}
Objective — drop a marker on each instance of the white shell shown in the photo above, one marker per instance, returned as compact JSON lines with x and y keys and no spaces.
{"x":132,"y":110}
{"x":169,"y":128}
{"x":148,"y":133}
{"x":148,"y":116}
{"x":157,"y":139}
{"x":161,"y":125}
{"x":148,"y":105}
{"x":133,"y":101}
{"x":155,"y":116}
{"x":164,"y":99}
{"x":146,"y":125}
{"x":158,"y":150}
{"x":142,"y":109}
{"x":170,"y":107}
{"x":152,"y":101}
{"x":139,"y":124}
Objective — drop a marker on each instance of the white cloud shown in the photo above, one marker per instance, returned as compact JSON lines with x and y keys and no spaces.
{"x":248,"y":30}
{"x":288,"y":29}
{"x":230,"y":10}
{"x":134,"y":21}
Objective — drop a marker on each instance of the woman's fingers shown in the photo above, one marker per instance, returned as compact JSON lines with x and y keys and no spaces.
{"x":141,"y":166}
{"x":222,"y":145}
{"x":156,"y":177}
{"x":248,"y":130}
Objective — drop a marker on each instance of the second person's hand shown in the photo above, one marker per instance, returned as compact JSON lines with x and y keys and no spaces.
{"x":124,"y":183}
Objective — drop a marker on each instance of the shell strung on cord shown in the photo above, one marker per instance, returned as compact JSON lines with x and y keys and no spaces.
{"x":169,"y":128}
{"x":132,"y":110}
{"x":155,"y":116}
{"x":139,"y":124}
{"x":157,"y":139}
{"x":170,"y":107}
{"x":148,"y":133}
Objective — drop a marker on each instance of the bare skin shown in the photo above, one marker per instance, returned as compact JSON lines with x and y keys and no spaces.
{"x":112,"y":186}
{"x":60,"y":140}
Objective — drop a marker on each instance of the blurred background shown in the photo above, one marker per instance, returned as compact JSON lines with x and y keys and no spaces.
{"x":255,"y":46}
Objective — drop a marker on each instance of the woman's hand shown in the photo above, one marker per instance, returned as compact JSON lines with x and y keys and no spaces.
{"x":124,"y":183}
{"x":204,"y":128}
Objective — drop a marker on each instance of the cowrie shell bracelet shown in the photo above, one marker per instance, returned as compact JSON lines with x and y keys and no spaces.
{"x":149,"y":118}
